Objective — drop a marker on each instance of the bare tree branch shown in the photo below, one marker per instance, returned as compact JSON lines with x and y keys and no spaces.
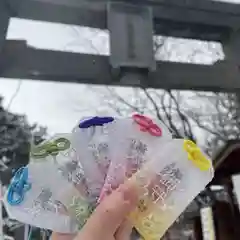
{"x":122,"y":100}
{"x":201,"y":125}
{"x":185,"y":121}
{"x":168,"y":116}
{"x":155,"y":106}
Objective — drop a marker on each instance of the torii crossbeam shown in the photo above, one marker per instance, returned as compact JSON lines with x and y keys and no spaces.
{"x":131,"y":24}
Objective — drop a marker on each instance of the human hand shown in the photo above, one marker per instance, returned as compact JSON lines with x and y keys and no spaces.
{"x":108,"y":221}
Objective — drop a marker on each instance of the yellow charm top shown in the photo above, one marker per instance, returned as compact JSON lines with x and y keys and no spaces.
{"x":196,"y":156}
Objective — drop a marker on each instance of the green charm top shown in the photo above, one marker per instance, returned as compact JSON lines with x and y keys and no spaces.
{"x":50,"y":148}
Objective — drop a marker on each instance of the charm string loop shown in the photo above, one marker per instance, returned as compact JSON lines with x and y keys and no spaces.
{"x":18,"y":187}
{"x":96,"y":121}
{"x":196,"y":156}
{"x":147,"y":125}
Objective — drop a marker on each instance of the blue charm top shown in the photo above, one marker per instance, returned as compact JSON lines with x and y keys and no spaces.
{"x":18,"y":187}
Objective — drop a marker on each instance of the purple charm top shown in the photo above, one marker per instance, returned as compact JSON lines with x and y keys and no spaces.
{"x":96,"y":121}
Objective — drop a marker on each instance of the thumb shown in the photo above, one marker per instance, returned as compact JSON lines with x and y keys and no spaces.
{"x":112,"y":211}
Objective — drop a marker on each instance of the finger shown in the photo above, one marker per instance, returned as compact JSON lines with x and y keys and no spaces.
{"x":60,"y":236}
{"x":113,"y":210}
{"x":124,"y":231}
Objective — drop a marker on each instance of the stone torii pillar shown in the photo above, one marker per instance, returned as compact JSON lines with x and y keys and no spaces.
{"x":4,"y":21}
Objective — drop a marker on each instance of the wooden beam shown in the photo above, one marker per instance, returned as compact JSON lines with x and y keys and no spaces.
{"x":203,"y":19}
{"x":224,"y":220}
{"x":197,"y":227}
{"x":24,"y":62}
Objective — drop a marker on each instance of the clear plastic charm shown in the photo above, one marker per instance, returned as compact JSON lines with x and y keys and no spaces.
{"x":91,"y":141}
{"x":167,"y":185}
{"x":59,"y":149}
{"x":34,"y":197}
{"x":133,"y":138}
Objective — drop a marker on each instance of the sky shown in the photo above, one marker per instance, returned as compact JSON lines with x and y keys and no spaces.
{"x":59,"y":106}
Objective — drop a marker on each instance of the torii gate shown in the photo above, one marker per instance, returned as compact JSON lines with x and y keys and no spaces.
{"x":131,"y":24}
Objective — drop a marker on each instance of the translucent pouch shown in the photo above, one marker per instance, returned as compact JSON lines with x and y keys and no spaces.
{"x":91,"y":141}
{"x":59,"y":150}
{"x":132,"y":139}
{"x":167,"y":184}
{"x":35,"y":197}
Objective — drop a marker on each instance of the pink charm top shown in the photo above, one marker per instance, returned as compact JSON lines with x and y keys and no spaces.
{"x":147,"y":125}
